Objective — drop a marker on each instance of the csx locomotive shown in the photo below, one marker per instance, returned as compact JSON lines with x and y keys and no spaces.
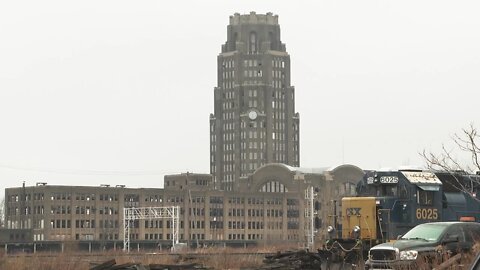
{"x":389,"y":203}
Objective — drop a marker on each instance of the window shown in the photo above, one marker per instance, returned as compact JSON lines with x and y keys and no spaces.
{"x":273,"y":186}
{"x":253,"y":43}
{"x":424,"y":197}
{"x":401,"y":212}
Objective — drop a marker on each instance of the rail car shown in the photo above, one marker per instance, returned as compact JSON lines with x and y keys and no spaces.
{"x":389,"y":203}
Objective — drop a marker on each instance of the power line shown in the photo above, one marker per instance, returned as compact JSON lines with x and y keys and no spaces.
{"x":88,"y":172}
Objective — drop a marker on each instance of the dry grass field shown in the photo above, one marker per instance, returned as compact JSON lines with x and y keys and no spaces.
{"x":215,"y":258}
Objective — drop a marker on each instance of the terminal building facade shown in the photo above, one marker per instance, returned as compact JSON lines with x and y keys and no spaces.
{"x":270,"y":207}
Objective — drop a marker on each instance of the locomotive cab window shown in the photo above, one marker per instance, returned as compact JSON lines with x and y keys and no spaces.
{"x":387,"y":190}
{"x":401,"y":212}
{"x":424,"y":197}
{"x":403,"y":192}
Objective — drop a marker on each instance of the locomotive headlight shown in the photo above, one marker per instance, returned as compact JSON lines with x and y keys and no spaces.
{"x":356,"y":232}
{"x":331,"y":232}
{"x":408,"y":255}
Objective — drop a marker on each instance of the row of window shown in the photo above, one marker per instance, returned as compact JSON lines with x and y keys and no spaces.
{"x":252,"y":134}
{"x":278,"y":62}
{"x":278,"y":95}
{"x":252,"y":82}
{"x":273,"y":186}
{"x":236,"y":200}
{"x":63,"y":196}
{"x":228,"y":74}
{"x":274,"y":225}
{"x":227,"y":84}
{"x":216,"y":212}
{"x":278,"y":146}
{"x":67,"y":224}
{"x":108,"y":224}
{"x":198,"y":199}
{"x":168,"y":236}
{"x":17,"y":237}
{"x":252,"y":124}
{"x":251,"y":166}
{"x":236,"y":225}
{"x":196,"y":211}
{"x":228,"y":168}
{"x":128,"y":198}
{"x":252,"y":93}
{"x":293,"y":225}
{"x":154,"y":224}
{"x":253,"y":73}
{"x":154,"y":198}
{"x":252,"y":103}
{"x":278,"y":85}
{"x":228,"y":116}
{"x":229,"y":95}
{"x":228,"y":177}
{"x":251,"y":145}
{"x":228,"y":105}
{"x":278,"y":136}
{"x":83,"y":210}
{"x":90,"y":210}
{"x":275,"y":212}
{"x":228,"y":63}
{"x":153,"y":236}
{"x":279,"y":157}
{"x":279,"y":106}
{"x":251,"y":63}
{"x":233,"y":212}
{"x":278,"y":74}
{"x":109,"y":236}
{"x":255,"y":225}
{"x":228,"y":136}
{"x":20,"y":224}
{"x":199,"y":224}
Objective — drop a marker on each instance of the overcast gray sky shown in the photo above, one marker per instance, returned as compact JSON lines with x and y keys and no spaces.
{"x":120,"y":92}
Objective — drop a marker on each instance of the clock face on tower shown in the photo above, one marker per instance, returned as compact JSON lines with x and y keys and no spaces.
{"x":252,"y":115}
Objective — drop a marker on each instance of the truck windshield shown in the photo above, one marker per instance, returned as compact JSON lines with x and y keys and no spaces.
{"x":427,"y":231}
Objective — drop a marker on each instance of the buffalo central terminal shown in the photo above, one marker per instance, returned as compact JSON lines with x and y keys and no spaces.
{"x":256,"y":193}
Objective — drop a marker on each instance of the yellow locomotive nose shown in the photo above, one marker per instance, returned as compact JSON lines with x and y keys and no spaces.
{"x":359,"y":217}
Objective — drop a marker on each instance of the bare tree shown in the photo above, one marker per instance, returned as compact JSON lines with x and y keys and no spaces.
{"x":467,"y":142}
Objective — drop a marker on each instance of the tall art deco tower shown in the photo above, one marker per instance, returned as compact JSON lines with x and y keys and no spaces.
{"x":254,"y":120}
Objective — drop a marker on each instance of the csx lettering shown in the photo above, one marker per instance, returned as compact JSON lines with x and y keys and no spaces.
{"x":427,"y":213}
{"x":353,"y":211}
